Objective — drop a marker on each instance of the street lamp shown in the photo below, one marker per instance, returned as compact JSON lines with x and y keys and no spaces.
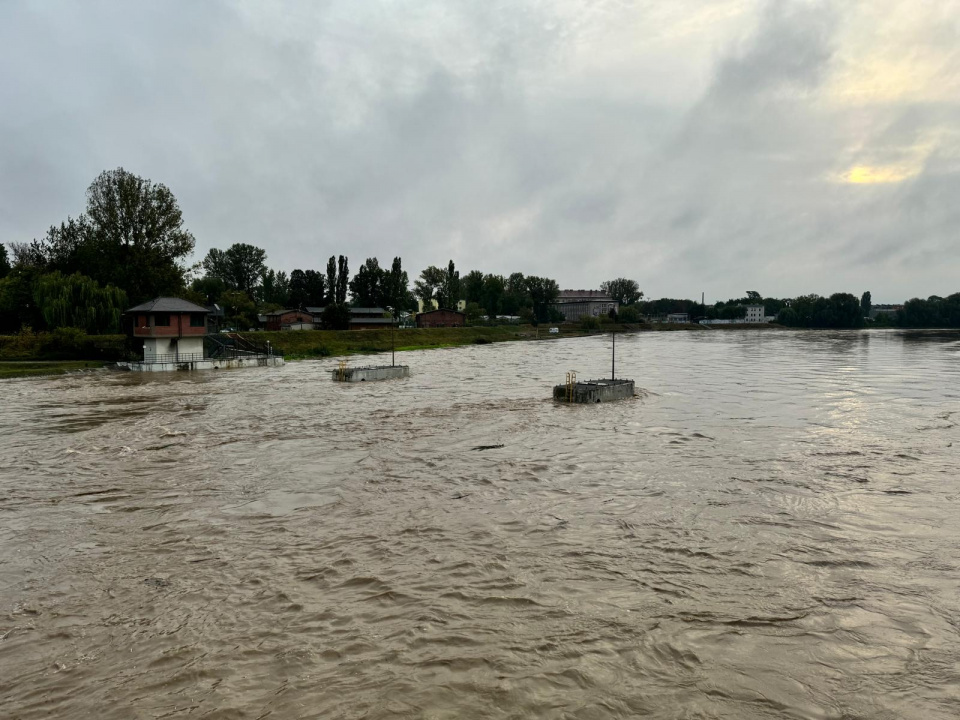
{"x":393,"y":327}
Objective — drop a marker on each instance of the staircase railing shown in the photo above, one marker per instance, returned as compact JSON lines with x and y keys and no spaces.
{"x":232,"y":345}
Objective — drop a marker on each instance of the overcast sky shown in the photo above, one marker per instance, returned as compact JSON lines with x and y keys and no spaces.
{"x":693,"y":145}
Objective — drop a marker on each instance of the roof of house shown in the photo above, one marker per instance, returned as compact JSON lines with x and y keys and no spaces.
{"x":278,"y":313}
{"x":315,"y":310}
{"x":581,"y":295}
{"x":168,"y":304}
{"x":366,"y":311}
{"x":370,"y":321}
{"x":438,"y":310}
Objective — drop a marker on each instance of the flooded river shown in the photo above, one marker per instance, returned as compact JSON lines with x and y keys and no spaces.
{"x":771,"y":530}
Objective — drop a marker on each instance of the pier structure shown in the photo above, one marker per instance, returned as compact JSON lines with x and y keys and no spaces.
{"x":370,"y":373}
{"x":375,"y":372}
{"x":595,"y":391}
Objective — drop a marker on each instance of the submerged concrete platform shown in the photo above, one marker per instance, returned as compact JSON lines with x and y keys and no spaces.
{"x":594,"y":391}
{"x":204,"y":364}
{"x":375,"y":372}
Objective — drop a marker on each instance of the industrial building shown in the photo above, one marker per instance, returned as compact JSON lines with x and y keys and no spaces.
{"x":577,"y":304}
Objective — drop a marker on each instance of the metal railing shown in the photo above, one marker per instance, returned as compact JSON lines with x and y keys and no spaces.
{"x":173,"y":358}
{"x":233,"y":346}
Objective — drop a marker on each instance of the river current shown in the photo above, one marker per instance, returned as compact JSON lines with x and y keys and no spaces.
{"x":769,"y":530}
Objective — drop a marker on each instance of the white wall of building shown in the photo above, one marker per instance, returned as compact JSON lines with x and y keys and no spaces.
{"x":191,"y":346}
{"x":172,"y":346}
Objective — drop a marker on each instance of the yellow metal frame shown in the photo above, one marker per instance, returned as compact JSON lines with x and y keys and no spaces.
{"x":571,"y":382}
{"x":342,"y":371}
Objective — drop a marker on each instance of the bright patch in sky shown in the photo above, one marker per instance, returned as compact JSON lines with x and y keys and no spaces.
{"x":872,"y":175}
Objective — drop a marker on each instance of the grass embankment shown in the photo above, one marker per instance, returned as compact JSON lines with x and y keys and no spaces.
{"x":61,"y":351}
{"x":323,"y":343}
{"x":24,"y":368}
{"x":62,"y":344}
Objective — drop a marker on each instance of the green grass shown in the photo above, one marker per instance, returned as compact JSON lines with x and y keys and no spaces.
{"x":30,"y":369}
{"x":299,"y":344}
{"x":322,"y":343}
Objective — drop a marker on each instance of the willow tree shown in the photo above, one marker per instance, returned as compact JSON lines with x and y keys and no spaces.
{"x":79,"y":302}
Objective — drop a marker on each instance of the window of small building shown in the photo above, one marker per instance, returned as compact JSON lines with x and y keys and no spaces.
{"x":161,"y":320}
{"x":197,"y":320}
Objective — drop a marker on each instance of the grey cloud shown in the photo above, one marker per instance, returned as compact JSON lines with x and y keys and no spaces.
{"x":533,"y":136}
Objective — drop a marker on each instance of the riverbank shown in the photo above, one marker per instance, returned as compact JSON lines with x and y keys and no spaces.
{"x":66,"y":351}
{"x":326,"y":343}
{"x":22,"y":368}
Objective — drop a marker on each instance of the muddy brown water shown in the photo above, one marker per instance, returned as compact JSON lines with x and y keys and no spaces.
{"x":770,"y":531}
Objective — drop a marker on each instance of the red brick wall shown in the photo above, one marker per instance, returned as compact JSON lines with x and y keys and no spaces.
{"x":276,"y":322}
{"x":440,"y":318}
{"x":179,"y":327}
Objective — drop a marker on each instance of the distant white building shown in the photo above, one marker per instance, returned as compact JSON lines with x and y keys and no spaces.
{"x":755,"y":314}
{"x":678,"y":317}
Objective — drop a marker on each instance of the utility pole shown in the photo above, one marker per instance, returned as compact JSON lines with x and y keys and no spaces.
{"x":393,"y":344}
{"x":613,"y":356}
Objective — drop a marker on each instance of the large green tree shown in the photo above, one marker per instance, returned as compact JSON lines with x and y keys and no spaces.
{"x":4,"y":261}
{"x":331,"y":281}
{"x":209,"y":288}
{"x":516,"y":296}
{"x":239,"y":308}
{"x":366,"y":287}
{"x":543,"y":292}
{"x":306,"y":288}
{"x":275,"y":288}
{"x":840,"y":310}
{"x":451,"y":287}
{"x":343,"y":280}
{"x":472,"y":287}
{"x":866,"y":304}
{"x":135,"y":228}
{"x":623,"y":290}
{"x":429,"y":286}
{"x":241,"y":266}
{"x":395,"y":290}
{"x":17,"y":306}
{"x":494,"y":288}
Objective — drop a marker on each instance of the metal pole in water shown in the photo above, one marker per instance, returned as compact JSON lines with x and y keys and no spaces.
{"x":393,"y":327}
{"x":613,"y":356}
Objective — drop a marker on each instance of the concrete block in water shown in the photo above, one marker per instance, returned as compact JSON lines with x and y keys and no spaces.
{"x":594,"y":391}
{"x":366,"y":374}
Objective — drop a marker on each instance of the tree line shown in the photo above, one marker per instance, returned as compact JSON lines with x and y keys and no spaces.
{"x":128,"y":246}
{"x":131,"y":245}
